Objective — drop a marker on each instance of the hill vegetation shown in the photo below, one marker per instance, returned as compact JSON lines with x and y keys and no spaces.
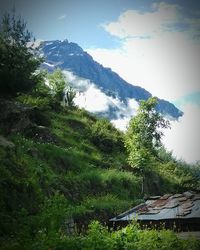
{"x":61,"y":168}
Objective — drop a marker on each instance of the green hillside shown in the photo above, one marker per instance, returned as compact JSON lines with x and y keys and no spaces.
{"x":63,"y":163}
{"x":62,"y":168}
{"x":75,"y":159}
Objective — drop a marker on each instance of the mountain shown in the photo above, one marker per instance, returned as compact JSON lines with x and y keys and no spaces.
{"x":72,"y":59}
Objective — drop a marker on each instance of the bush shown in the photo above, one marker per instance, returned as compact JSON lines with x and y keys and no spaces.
{"x":39,"y":102}
{"x":108,"y":204}
{"x":106,"y":137}
{"x":123,"y":184}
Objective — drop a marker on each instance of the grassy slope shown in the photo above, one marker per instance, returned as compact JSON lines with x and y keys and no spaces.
{"x":73,"y":167}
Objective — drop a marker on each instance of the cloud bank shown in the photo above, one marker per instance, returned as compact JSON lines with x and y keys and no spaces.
{"x":160,"y":51}
{"x":132,"y":23}
{"x":95,"y":100}
{"x":184,"y":136}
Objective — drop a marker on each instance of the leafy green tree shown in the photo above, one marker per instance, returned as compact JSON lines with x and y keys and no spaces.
{"x":57,"y":84}
{"x":143,"y":137}
{"x":18,"y":62}
{"x":60,"y":88}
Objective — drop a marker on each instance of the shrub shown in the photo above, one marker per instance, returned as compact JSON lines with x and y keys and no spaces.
{"x":106,"y":137}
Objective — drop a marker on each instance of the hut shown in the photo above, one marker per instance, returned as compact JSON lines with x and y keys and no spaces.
{"x":178,"y":211}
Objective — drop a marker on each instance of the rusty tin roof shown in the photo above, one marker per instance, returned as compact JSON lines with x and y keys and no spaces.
{"x":168,"y":206}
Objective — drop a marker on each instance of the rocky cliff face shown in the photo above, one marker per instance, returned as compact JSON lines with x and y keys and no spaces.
{"x":71,"y":57}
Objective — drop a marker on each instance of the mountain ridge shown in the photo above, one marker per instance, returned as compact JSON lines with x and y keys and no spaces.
{"x":70,"y":56}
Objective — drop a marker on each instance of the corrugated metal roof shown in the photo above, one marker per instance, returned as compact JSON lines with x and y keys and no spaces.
{"x":168,"y":206}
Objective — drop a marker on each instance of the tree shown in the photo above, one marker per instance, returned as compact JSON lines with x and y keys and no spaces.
{"x":143,"y":137}
{"x":57,"y":84}
{"x":60,"y":88}
{"x":18,"y":63}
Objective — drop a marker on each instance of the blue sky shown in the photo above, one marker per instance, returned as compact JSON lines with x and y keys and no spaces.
{"x":153,"y":44}
{"x":80,"y":20}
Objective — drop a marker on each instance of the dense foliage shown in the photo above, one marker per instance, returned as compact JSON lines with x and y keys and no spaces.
{"x":99,"y":237}
{"x":17,"y":61}
{"x":60,"y":88}
{"x":143,"y":137}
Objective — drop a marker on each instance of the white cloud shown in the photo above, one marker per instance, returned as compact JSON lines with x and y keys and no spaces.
{"x":167,"y":63}
{"x":129,"y":111}
{"x":121,"y":124}
{"x":94,"y":100}
{"x":184,"y":136}
{"x":168,"y":69}
{"x":62,"y":17}
{"x":88,"y":96}
{"x":137,"y":24}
